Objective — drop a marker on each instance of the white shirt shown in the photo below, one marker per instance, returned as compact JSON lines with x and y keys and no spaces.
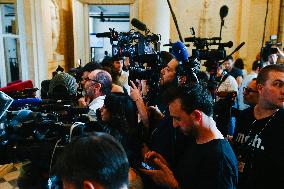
{"x":94,"y":105}
{"x":247,"y":79}
{"x":123,"y":80}
{"x":229,"y":85}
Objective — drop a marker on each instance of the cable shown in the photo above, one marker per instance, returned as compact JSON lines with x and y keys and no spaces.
{"x":50,"y":165}
{"x":267,"y":3}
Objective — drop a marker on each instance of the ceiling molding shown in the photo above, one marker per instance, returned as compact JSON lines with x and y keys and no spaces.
{"x":108,"y":2}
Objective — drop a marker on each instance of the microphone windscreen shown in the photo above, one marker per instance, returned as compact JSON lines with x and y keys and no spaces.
{"x":179,"y":51}
{"x":62,"y":83}
{"x":138,"y":24}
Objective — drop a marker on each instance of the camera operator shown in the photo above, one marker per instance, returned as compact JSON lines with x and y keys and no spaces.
{"x":164,"y":138}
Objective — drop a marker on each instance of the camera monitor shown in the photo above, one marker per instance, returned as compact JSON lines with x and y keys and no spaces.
{"x":5,"y":102}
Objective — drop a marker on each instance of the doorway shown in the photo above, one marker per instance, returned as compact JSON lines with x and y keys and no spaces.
{"x":101,"y":18}
{"x":9,"y":44}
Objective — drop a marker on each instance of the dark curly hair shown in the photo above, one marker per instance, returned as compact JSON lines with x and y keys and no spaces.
{"x":94,"y":157}
{"x":195,"y":97}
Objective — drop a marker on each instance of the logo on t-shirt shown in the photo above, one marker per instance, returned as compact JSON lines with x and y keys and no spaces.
{"x":255,"y":142}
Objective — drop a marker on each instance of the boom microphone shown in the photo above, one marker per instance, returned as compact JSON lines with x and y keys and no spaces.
{"x":223,"y":11}
{"x":138,"y":24}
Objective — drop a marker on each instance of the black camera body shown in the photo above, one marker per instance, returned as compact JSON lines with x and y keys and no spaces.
{"x":270,"y":48}
{"x":139,"y":48}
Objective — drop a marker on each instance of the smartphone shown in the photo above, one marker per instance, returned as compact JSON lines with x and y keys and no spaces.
{"x":146,"y":166}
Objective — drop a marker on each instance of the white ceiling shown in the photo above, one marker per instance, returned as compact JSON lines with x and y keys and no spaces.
{"x":109,"y":9}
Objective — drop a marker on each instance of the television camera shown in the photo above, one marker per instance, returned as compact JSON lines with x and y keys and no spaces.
{"x":270,"y":48}
{"x":202,"y":49}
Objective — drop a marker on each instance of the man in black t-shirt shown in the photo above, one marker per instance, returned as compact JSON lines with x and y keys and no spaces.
{"x":258,"y":140}
{"x":233,"y":71}
{"x":208,"y":163}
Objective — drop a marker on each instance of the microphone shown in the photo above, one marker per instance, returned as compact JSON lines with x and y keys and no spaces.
{"x":179,"y":51}
{"x":104,"y":34}
{"x":223,"y":11}
{"x":138,"y":24}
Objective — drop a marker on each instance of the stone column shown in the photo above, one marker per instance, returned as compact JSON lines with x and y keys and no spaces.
{"x":156,"y":15}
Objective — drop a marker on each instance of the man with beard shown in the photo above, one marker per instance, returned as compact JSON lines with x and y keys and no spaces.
{"x":210,"y":162}
{"x":164,"y":138}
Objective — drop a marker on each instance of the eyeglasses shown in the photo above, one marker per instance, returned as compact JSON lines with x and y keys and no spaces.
{"x":88,"y":79}
{"x":85,"y":79}
{"x":249,"y":90}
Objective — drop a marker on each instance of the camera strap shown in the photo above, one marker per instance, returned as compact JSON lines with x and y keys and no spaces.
{"x":223,"y":79}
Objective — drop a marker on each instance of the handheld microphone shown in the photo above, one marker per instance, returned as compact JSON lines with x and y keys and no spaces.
{"x":138,"y":24}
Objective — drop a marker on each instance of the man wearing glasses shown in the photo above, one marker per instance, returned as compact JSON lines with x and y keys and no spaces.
{"x":250,"y":93}
{"x":258,"y":140}
{"x":86,"y":70}
{"x":98,"y":85}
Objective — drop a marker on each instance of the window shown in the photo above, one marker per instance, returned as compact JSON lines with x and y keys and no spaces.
{"x":9,"y":45}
